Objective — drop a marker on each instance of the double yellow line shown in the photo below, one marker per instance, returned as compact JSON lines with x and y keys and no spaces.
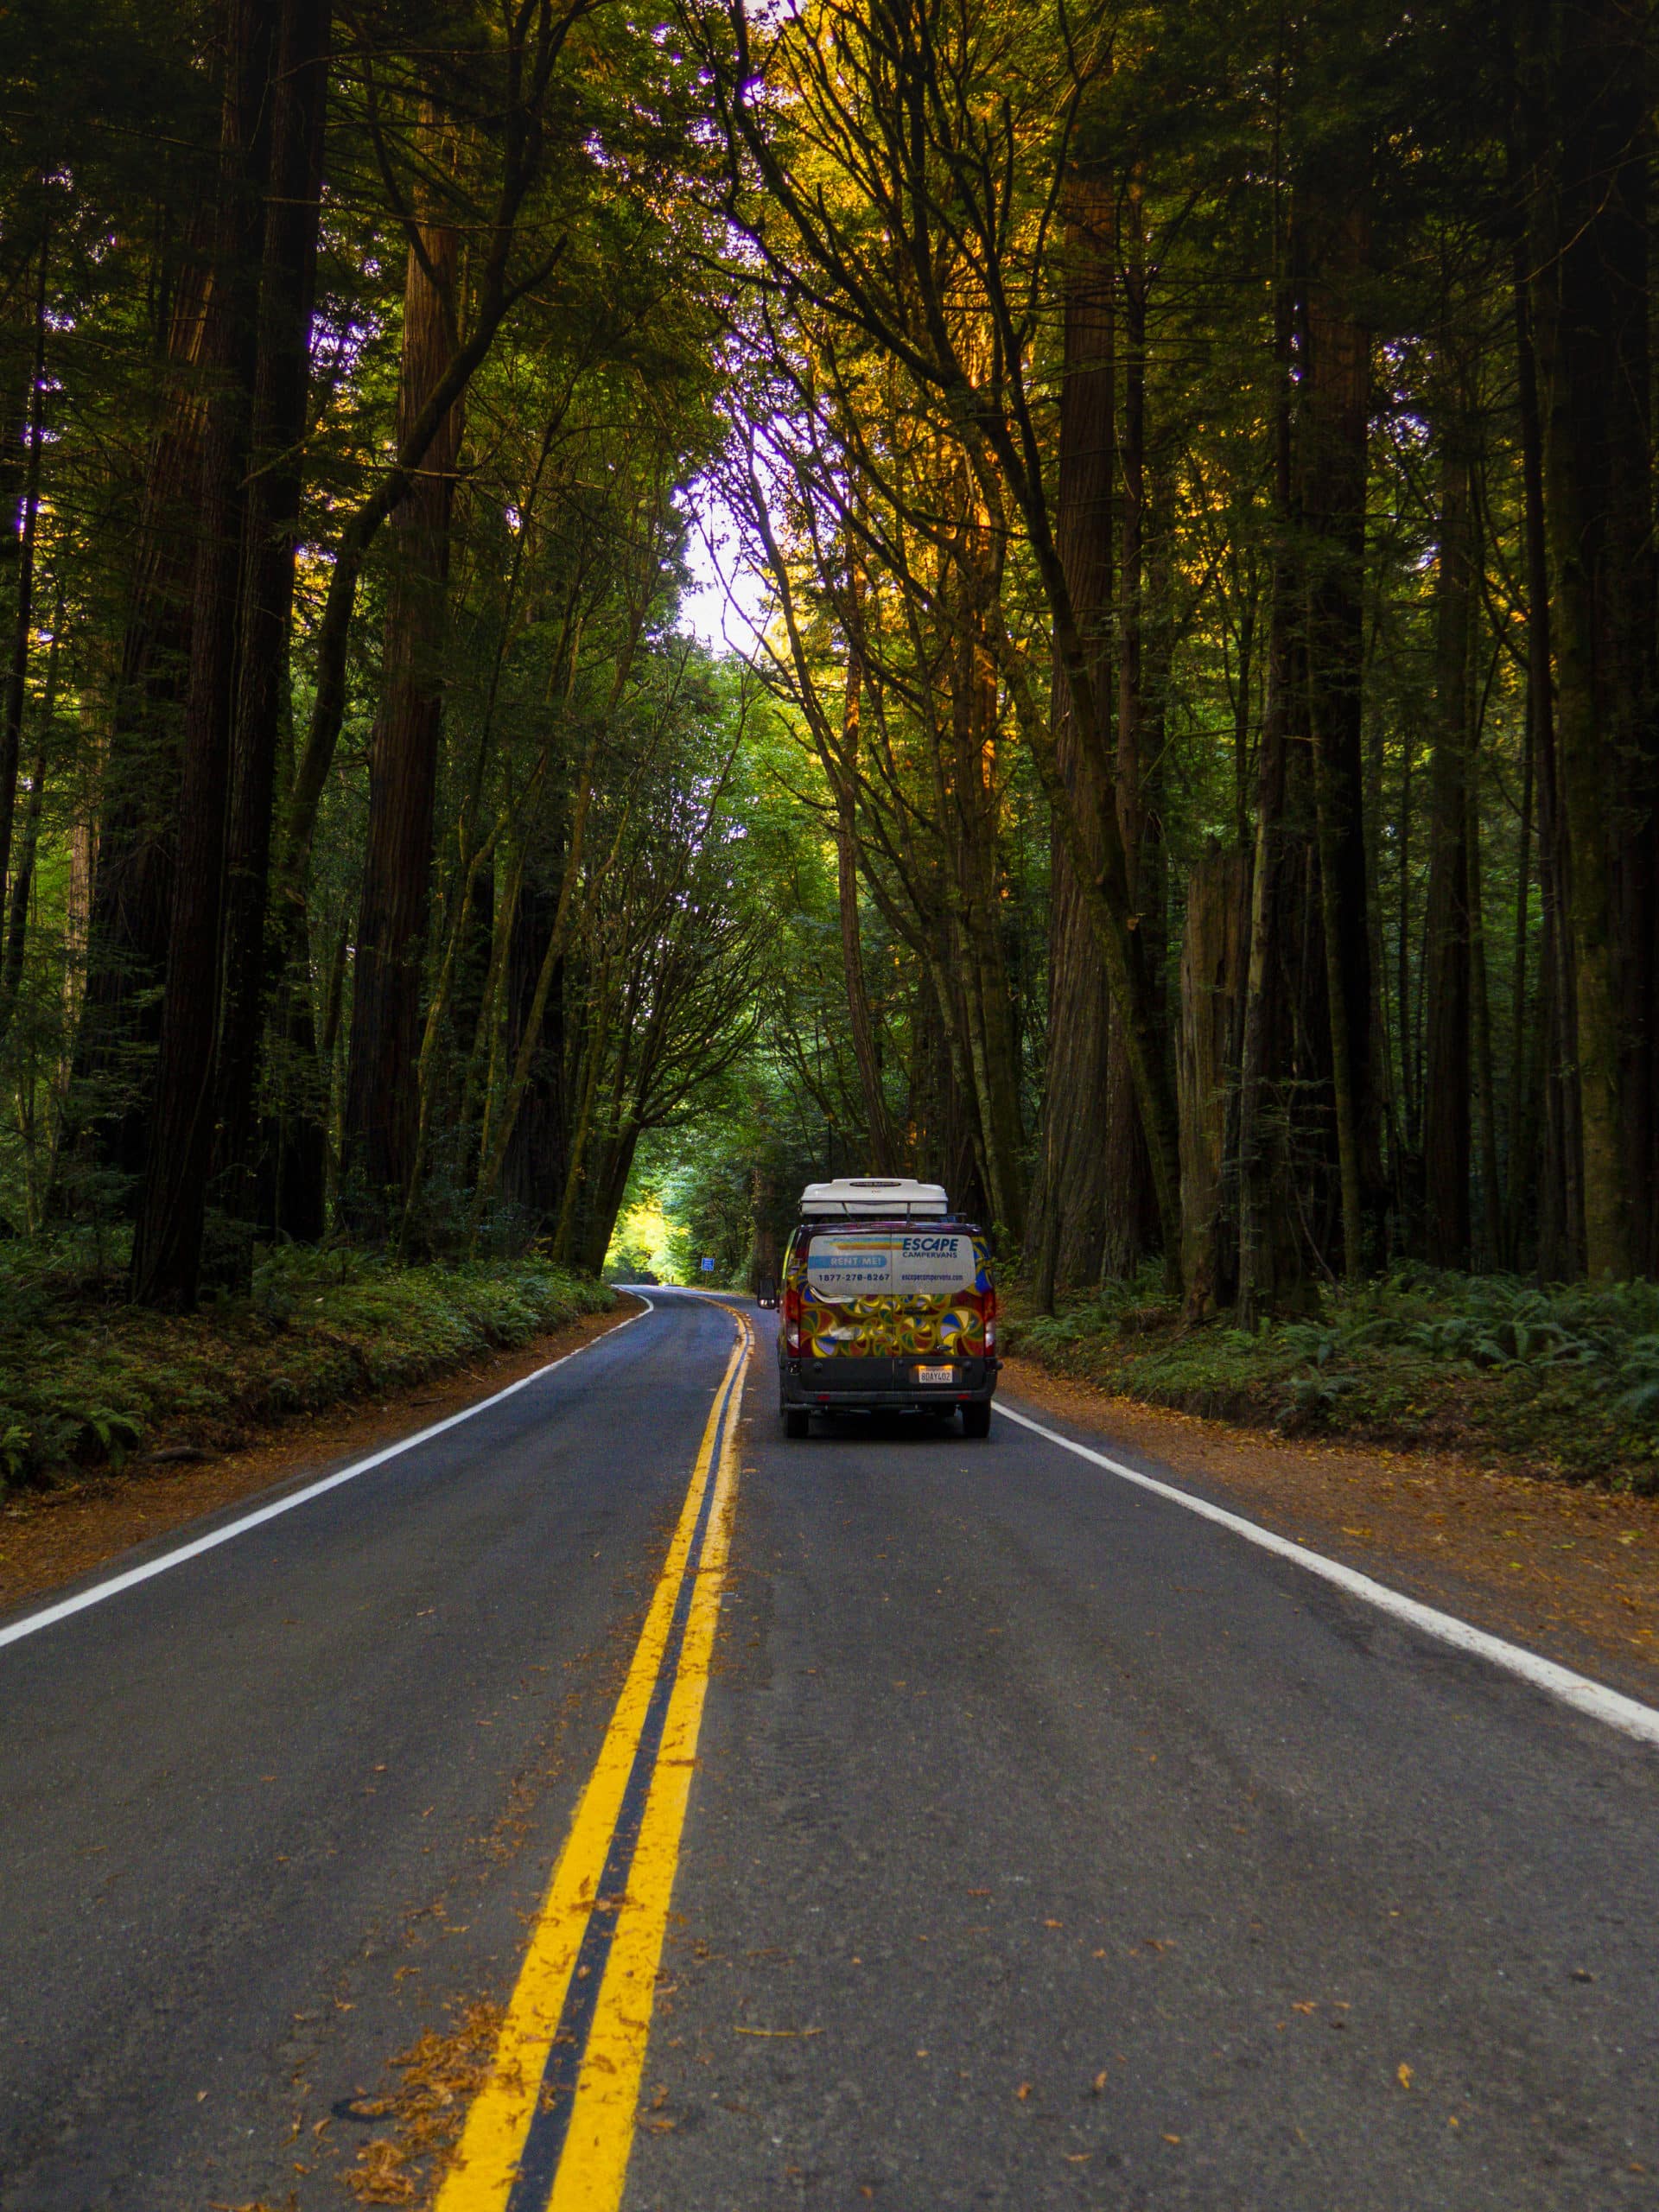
{"x":551,"y":2129}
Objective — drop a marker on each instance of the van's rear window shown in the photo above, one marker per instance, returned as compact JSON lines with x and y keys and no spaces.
{"x":890,"y":1264}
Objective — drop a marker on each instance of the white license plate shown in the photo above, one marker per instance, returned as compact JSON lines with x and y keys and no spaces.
{"x":935,"y":1375}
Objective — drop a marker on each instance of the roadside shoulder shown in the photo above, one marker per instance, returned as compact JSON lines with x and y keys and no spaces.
{"x":1570,"y":1572}
{"x":51,"y":1539}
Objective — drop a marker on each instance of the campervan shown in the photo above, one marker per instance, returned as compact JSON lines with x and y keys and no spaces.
{"x":888,"y":1304}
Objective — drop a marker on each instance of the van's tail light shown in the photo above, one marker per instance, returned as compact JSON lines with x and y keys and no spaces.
{"x":988,"y":1307}
{"x":792,"y":1321}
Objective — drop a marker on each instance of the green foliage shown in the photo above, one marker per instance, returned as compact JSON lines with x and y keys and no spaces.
{"x":1564,"y":1379}
{"x":87,"y":1382}
{"x":628,"y":1263}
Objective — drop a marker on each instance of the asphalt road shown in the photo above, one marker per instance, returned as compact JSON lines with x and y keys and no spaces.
{"x":1047,"y":1844}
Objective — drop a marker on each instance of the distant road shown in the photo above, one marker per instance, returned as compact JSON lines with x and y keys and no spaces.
{"x":1027,"y":1840}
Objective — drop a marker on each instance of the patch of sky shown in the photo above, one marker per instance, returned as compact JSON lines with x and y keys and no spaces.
{"x":725,"y":602}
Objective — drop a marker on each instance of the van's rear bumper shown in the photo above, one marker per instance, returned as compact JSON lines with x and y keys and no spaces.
{"x":870,"y":1384}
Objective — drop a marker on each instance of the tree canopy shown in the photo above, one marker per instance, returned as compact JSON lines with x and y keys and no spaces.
{"x":1191,"y":779}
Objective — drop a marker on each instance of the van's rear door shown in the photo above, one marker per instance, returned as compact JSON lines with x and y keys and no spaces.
{"x":896,"y":1309}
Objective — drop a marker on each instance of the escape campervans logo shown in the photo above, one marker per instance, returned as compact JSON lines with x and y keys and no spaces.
{"x":942,"y":1266}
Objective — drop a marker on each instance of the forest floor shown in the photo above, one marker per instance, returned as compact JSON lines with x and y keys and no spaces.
{"x":1556,"y":1382}
{"x":1570,"y":1569}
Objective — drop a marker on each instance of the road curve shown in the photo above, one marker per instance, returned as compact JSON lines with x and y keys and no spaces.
{"x":1047,"y":1844}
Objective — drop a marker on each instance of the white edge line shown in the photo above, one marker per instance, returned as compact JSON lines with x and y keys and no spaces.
{"x":48,"y":1616}
{"x":1624,"y":1713}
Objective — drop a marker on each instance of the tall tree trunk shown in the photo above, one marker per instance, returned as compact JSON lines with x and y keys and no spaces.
{"x":281,"y":375}
{"x":1408,"y":1098}
{"x":1521,"y":1130}
{"x":1446,"y":929}
{"x":1490,"y":1253}
{"x":1333,"y":251}
{"x":762,"y":1269}
{"x":1560,"y":1201}
{"x":381,"y":1103}
{"x":23,"y":878}
{"x":1258,"y":1281}
{"x":132,"y":874}
{"x":289,"y":1192}
{"x":967,"y":802}
{"x":877,"y":1119}
{"x":1128,"y":1170}
{"x":17,"y":691}
{"x":1069,"y":1208}
{"x":167,"y":1236}
{"x":1584,"y":79}
{"x":1211,"y":967}
{"x":533,"y":1175}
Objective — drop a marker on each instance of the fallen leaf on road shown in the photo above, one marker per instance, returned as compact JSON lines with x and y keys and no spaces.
{"x":1403,"y":2076}
{"x":1100,"y":2082}
{"x":379,"y":2178}
{"x":1023,"y":2091}
{"x":1172,"y":2139}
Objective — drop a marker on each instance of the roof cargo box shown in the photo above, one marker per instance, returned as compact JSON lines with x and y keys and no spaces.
{"x":884,"y":1198}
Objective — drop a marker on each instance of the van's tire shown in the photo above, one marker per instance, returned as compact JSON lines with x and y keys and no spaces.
{"x":976,"y":1417}
{"x":797,"y":1422}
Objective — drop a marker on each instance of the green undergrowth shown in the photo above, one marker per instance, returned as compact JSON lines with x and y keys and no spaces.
{"x":87,"y":1380}
{"x":1562,"y":1380}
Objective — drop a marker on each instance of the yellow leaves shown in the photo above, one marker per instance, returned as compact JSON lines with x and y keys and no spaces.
{"x":1402,"y":2075}
{"x":1023,"y":2092}
{"x":379,"y":2178}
